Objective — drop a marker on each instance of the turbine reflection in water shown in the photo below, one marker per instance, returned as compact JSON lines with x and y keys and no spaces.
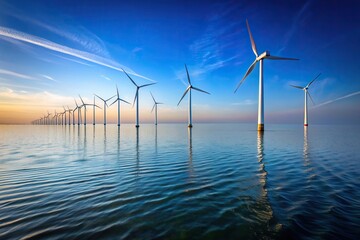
{"x":264,"y":209}
{"x":190,"y":159}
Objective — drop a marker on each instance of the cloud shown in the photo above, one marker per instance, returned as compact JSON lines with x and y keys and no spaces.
{"x":43,"y":98}
{"x":337,"y":99}
{"x":295,"y":22}
{"x":215,"y":48}
{"x":14,"y":34}
{"x":15,"y":74}
{"x":136,"y":50}
{"x":246,"y":102}
{"x":48,"y":77}
{"x":105,"y":77}
{"x":75,"y":33}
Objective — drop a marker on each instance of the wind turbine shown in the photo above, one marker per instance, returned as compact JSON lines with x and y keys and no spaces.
{"x":73,"y":113}
{"x":105,"y":104}
{"x":118,"y":99}
{"x":84,"y":105}
{"x":306,"y":94}
{"x":48,"y":119}
{"x":155,"y":106}
{"x":65,"y":113}
{"x":188,"y":89}
{"x":137,"y":97}
{"x":259,"y":58}
{"x":79,"y":111}
{"x":69,"y":111}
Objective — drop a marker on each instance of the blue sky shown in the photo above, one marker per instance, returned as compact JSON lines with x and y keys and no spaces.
{"x":51,"y":51}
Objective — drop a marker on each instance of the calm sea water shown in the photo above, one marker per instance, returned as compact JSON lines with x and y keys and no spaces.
{"x":217,"y":181}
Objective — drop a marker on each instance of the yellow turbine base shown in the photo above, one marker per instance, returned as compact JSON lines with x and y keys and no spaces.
{"x":260,"y":127}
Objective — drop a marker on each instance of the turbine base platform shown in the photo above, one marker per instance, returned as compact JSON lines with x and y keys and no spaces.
{"x":305,"y":124}
{"x":260,"y":127}
{"x":190,"y":126}
{"x":137,"y":126}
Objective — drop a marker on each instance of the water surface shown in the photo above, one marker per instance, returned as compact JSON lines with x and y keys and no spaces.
{"x":216,"y":181}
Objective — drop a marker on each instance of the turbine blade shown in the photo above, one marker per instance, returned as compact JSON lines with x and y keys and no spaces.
{"x":115,"y":101}
{"x":99,"y":97}
{"x":145,"y":85}
{"x":184,"y":95}
{"x":187,"y":73}
{"x":124,"y":101}
{"x":81,"y":100}
{"x":198,"y":89}
{"x":297,"y":87}
{"x":129,"y":77}
{"x":313,"y":80}
{"x":280,"y":58}
{"x":253,"y":46}
{"x":153,"y":97}
{"x":137,"y":90}
{"x":110,"y":98}
{"x":117,"y":91}
{"x":311,"y":98}
{"x":252,"y":66}
{"x":153,"y":107}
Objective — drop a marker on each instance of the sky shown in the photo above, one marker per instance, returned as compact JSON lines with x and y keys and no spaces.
{"x":53,"y":51}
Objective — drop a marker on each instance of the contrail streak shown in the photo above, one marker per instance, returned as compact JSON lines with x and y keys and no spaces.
{"x":11,"y":33}
{"x":337,"y":99}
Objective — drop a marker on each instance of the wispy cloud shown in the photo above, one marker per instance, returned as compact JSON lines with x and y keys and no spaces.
{"x":136,"y":50}
{"x":16,"y":74}
{"x":73,"y":32}
{"x":105,"y":77}
{"x":244,"y":103}
{"x":337,"y":99}
{"x":48,"y":77}
{"x":295,"y":23}
{"x":44,"y":98}
{"x":215,"y":48}
{"x":14,"y":34}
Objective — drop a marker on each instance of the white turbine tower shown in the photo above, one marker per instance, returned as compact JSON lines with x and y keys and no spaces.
{"x":155,"y":106}
{"x":259,"y":58}
{"x":188,"y":89}
{"x":306,"y":94}
{"x":118,"y":99}
{"x":137,"y":97}
{"x":105,"y":105}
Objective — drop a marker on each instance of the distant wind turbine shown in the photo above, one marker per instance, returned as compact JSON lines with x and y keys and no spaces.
{"x":188,"y":89}
{"x":306,"y":94}
{"x":259,"y":58}
{"x":118,"y":99}
{"x":155,"y":106}
{"x":105,"y":105}
{"x":78,"y":108}
{"x":69,"y":111}
{"x":84,"y":105}
{"x":137,"y":96}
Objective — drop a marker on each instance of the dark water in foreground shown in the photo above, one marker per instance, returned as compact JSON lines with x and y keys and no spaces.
{"x":216,"y":182}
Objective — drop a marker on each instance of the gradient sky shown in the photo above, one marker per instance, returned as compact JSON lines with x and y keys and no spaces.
{"x":51,"y":51}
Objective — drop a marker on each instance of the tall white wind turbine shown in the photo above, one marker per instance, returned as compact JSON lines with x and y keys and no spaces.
{"x":188,"y":89}
{"x":259,"y":58}
{"x":306,"y":94}
{"x":105,"y":105}
{"x":155,"y":107}
{"x":137,"y":96}
{"x":118,"y":100}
